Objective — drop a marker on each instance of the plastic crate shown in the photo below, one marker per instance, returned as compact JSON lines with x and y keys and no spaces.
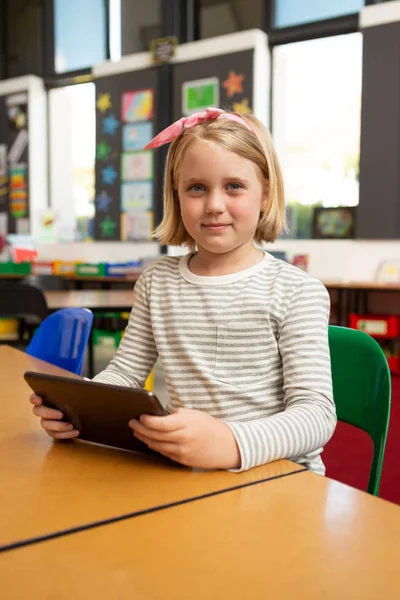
{"x":43,"y":267}
{"x":12,"y":268}
{"x":91,"y":269}
{"x":394,"y":364}
{"x":102,"y":336}
{"x":8,"y":326}
{"x":378,"y":326}
{"x":116,"y":269}
{"x":65,"y":267}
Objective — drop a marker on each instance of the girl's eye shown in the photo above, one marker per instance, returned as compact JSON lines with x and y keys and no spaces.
{"x":197,"y":187}
{"x":234,"y":187}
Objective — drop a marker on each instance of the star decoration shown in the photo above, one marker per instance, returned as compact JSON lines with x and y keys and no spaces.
{"x":107,"y":227}
{"x":110,"y":124}
{"x":108,"y":175}
{"x":233,"y":84}
{"x":102,"y":150}
{"x":104,"y":102}
{"x":242,"y":107}
{"x":103,"y":201}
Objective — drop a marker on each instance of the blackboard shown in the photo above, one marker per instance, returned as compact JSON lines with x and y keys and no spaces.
{"x":127,"y":178}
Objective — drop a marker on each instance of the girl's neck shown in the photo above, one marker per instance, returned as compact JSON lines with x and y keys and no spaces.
{"x":208,"y":264}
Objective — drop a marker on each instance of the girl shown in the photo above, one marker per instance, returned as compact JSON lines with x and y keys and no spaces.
{"x":242,"y":336}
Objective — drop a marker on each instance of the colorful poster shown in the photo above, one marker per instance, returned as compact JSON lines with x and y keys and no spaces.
{"x":137,"y":196}
{"x":18,"y":191}
{"x":3,"y":160}
{"x":200,"y":94}
{"x":135,"y":137}
{"x":137,"y":106}
{"x":334,"y":223}
{"x":136,"y":166}
{"x":136,"y":225}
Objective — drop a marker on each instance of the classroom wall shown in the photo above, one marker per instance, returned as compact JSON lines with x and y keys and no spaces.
{"x":344,"y":260}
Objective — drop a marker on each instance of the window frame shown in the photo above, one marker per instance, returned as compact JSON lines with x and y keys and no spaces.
{"x":53,"y":79}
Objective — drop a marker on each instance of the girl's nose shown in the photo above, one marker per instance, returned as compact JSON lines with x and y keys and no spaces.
{"x":215,"y":202}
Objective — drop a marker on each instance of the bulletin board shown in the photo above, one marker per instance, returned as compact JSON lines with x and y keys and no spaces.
{"x":14,"y":164}
{"x":126,"y":182}
{"x":225,"y":81}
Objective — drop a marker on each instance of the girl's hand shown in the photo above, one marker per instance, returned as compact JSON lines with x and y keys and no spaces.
{"x":50,"y":420}
{"x":190,"y":437}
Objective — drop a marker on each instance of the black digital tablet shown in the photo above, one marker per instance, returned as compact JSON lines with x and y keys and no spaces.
{"x":99,"y":411}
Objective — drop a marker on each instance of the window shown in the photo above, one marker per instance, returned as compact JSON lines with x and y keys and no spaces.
{"x":219,"y":17}
{"x":296,"y":12}
{"x":72,"y":157}
{"x":21,"y":38}
{"x":80,"y":34}
{"x":316,"y":124}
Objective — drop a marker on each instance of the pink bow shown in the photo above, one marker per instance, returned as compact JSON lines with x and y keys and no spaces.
{"x":176,"y":129}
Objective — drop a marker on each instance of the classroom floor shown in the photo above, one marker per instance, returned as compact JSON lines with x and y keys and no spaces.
{"x":347,"y":456}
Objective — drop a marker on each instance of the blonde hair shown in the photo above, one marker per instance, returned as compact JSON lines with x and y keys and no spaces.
{"x":233,"y":136}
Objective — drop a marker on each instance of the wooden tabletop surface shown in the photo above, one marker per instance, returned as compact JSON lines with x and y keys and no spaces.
{"x":93,"y":299}
{"x":302,"y":537}
{"x":48,"y":487}
{"x":372,"y":286}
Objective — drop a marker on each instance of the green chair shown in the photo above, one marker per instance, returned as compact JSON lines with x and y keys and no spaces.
{"x":361,"y":389}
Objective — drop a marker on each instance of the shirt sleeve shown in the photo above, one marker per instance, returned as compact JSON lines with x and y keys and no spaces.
{"x":309,"y":418}
{"x":137,"y":351}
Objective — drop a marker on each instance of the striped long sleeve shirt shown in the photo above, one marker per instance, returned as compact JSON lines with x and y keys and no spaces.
{"x":250,"y":348}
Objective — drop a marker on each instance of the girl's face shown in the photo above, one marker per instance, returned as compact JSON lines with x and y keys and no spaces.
{"x":221,"y":195}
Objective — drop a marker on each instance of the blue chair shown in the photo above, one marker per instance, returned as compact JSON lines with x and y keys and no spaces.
{"x":62,"y":337}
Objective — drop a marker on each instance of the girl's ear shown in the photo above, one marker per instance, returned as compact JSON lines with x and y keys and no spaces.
{"x":264,"y":201}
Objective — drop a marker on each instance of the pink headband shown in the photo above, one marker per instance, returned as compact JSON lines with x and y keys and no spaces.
{"x":176,"y":129}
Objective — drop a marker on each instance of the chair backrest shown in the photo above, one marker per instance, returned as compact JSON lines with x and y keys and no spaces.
{"x":22,"y":301}
{"x":62,"y":338}
{"x":361,"y":389}
{"x":47,"y":282}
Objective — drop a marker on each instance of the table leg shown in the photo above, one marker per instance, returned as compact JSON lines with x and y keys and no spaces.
{"x":339,"y":307}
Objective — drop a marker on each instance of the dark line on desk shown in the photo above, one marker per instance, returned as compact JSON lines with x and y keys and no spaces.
{"x":138,"y":513}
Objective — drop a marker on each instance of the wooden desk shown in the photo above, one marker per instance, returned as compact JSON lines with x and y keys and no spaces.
{"x":303,"y":537}
{"x":96,"y":300}
{"x":106,"y":280}
{"x":51,"y":487}
{"x":353,"y":296}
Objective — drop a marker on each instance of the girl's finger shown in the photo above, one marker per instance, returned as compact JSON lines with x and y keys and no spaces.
{"x":166,"y":448}
{"x":66,"y":435}
{"x":37,"y":400}
{"x":154,"y":434}
{"x":168,"y":423}
{"x":47,"y":413}
{"x":55,"y":426}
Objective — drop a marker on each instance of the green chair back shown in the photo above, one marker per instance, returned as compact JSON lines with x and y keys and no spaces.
{"x":361,"y":389}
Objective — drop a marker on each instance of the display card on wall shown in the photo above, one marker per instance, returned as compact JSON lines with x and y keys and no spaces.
{"x":126,"y":118}
{"x":14,"y":162}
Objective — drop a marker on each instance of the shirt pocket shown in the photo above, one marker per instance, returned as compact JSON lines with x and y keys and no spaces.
{"x":241,"y":358}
